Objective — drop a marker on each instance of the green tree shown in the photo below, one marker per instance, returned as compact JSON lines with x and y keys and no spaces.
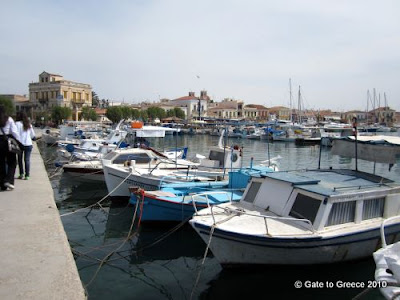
{"x":126,"y":112}
{"x":60,"y":113}
{"x":143,"y":115}
{"x":95,"y":99}
{"x":114,"y":113}
{"x":135,"y":114}
{"x":8,"y":105}
{"x":155,"y":112}
{"x":179,"y":113}
{"x":88,"y":114}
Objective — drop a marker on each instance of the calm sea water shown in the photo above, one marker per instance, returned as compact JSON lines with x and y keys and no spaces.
{"x":164,"y":261}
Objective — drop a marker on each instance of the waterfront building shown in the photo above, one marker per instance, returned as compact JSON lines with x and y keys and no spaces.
{"x":226,"y":109}
{"x":347,"y":117}
{"x":20,"y":102}
{"x":382,"y":115}
{"x":196,"y":107}
{"x":53,"y":90}
{"x":261,"y":112}
{"x":281,"y":113}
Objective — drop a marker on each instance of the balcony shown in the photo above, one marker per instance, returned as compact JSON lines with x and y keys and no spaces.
{"x":78,"y":101}
{"x":43,"y":101}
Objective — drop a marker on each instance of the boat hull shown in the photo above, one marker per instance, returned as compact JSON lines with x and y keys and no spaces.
{"x":114,"y":178}
{"x":84,"y":173}
{"x":154,"y":209}
{"x":239,"y":249}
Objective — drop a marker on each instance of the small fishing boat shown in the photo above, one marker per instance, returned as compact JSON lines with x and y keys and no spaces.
{"x":151,"y":170}
{"x":301,"y":217}
{"x":177,"y":201}
{"x":304,"y":217}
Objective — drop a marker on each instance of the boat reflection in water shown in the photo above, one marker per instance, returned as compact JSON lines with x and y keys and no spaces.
{"x":161,"y":261}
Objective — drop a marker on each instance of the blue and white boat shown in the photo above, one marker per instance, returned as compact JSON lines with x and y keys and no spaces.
{"x":302,"y":217}
{"x":179,"y":201}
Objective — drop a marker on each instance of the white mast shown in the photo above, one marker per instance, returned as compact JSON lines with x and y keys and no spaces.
{"x":290,"y":99}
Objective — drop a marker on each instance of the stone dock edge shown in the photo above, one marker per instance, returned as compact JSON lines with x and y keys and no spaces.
{"x":36,"y":258}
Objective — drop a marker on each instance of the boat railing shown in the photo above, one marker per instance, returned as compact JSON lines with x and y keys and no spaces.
{"x":188,"y":178}
{"x":201,"y":197}
{"x":383,"y":237}
{"x":265,"y":217}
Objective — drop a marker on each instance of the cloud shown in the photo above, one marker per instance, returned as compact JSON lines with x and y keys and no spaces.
{"x":247,"y":50}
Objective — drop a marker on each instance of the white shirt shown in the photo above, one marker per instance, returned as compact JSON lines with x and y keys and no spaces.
{"x":25,"y":135}
{"x":11,"y":128}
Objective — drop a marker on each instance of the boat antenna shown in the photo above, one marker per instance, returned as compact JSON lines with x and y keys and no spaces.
{"x":225,"y":133}
{"x":290,"y":99}
{"x":320,"y":152}
{"x":269,"y":157}
{"x":355,"y":137}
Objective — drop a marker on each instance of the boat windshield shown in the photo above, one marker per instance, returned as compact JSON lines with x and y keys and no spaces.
{"x":305,"y":207}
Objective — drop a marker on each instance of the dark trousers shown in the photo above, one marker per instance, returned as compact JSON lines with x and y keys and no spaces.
{"x":26,"y":156}
{"x":8,"y":164}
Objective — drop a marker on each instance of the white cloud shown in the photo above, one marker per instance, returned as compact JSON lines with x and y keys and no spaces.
{"x":141,"y":49}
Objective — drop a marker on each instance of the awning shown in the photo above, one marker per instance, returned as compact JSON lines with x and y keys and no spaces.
{"x":380,"y":149}
{"x":153,"y":131}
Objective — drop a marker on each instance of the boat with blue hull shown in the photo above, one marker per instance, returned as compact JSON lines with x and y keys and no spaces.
{"x":179,"y":201}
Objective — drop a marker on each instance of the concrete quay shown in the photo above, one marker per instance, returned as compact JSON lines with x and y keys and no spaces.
{"x":36,"y":259}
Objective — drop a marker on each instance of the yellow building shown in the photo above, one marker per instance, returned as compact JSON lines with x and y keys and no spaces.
{"x":53,"y":90}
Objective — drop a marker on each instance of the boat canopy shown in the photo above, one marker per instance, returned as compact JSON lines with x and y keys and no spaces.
{"x":380,"y":149}
{"x":153,"y":131}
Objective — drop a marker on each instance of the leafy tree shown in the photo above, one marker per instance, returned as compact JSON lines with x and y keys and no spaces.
{"x":88,"y":114}
{"x":8,"y":105}
{"x":143,"y":115}
{"x":135,"y":113}
{"x":60,"y":113}
{"x":126,"y":112}
{"x":95,"y":99}
{"x":155,"y":112}
{"x":43,"y":114}
{"x":114,"y":113}
{"x":179,"y":113}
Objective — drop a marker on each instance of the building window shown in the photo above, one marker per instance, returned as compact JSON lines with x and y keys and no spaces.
{"x":65,"y":94}
{"x":73,"y":95}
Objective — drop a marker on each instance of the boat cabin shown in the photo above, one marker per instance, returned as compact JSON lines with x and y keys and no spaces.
{"x":218,"y":157}
{"x":324,"y":197}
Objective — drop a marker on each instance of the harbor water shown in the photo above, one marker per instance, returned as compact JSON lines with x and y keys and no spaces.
{"x":166,"y":261}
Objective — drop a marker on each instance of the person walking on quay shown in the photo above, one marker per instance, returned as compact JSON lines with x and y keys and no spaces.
{"x":8,"y":160}
{"x":27,"y":135}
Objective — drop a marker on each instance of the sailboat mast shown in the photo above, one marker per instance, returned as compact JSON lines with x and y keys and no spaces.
{"x":290,"y":99}
{"x":299,"y":106}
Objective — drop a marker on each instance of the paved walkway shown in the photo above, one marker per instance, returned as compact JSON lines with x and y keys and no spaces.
{"x":35,"y":258}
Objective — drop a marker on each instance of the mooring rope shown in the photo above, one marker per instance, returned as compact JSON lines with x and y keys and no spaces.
{"x":203,"y":261}
{"x":98,"y":202}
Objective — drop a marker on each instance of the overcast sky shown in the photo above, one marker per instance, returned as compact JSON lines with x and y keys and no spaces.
{"x":146,"y":50}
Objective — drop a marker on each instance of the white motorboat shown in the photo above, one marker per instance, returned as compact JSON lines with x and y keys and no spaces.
{"x":306,"y":217}
{"x":301,"y":217}
{"x":150,"y":169}
{"x":87,"y":166}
